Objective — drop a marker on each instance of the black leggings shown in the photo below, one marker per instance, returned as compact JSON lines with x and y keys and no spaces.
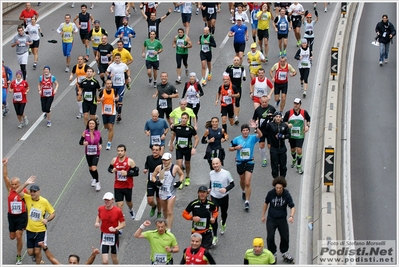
{"x":282,"y":226}
{"x":223,"y":203}
{"x":304,"y":74}
{"x":46,"y":103}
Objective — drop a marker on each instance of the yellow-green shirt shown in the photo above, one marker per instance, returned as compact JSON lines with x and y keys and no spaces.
{"x":263,"y":21}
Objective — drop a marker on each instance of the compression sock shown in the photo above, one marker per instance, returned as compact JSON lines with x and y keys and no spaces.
{"x":298,"y":159}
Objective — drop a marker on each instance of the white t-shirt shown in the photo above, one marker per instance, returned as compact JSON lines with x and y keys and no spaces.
{"x":118,"y":71}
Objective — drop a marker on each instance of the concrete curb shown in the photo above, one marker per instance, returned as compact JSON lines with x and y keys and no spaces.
{"x":329,"y":225}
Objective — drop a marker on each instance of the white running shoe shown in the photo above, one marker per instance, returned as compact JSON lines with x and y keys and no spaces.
{"x":98,"y":187}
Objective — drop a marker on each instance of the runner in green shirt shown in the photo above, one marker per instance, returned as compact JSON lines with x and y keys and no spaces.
{"x":154,"y":48}
{"x":258,"y":255}
{"x":162,"y":242}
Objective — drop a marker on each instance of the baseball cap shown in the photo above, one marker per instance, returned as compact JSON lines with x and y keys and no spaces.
{"x":253,"y":45}
{"x":96,"y":21}
{"x":203,"y":188}
{"x":34,"y":187}
{"x":297,"y":101}
{"x":278,"y":113}
{"x":258,"y":242}
{"x":167,"y":156}
{"x":108,"y":196}
{"x":309,"y":15}
{"x":239,"y":18}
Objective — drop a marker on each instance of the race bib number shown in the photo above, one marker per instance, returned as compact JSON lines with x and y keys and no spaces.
{"x":160,"y":259}
{"x":201,"y":224}
{"x":125,"y":40}
{"x":264,"y":16}
{"x":236,"y":73}
{"x":108,"y":109}
{"x":295,"y":131}
{"x":211,"y":10}
{"x":16,"y":207}
{"x":260,"y":92}
{"x":17,"y":96}
{"x":35,"y":214}
{"x":155,"y":139}
{"x":283,"y":26}
{"x":88,"y":96}
{"x":47,"y":92}
{"x":83,"y":25}
{"x":22,"y":43}
{"x":120,"y":177}
{"x":216,"y":185}
{"x":28,"y":21}
{"x":180,"y":42}
{"x":151,"y":53}
{"x":305,"y":64}
{"x":182,"y":142}
{"x":282,"y":75}
{"x":91,"y":150}
{"x":162,"y":103}
{"x":205,"y":48}
{"x":244,"y":153}
{"x":67,"y":35}
{"x":152,"y":28}
{"x":151,"y":4}
{"x":227,"y":99}
{"x":97,"y":40}
{"x":104,"y":60}
{"x":108,"y":239}
{"x":118,"y":79}
{"x":81,"y":78}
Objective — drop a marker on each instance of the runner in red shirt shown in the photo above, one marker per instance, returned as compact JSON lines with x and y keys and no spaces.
{"x":19,"y":89}
{"x":27,"y":14}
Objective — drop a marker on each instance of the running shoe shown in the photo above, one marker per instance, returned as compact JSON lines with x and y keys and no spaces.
{"x":79,"y":116}
{"x":86,"y":58}
{"x":93,"y":182}
{"x":293,"y":163}
{"x":298,"y":43}
{"x":246,"y":206}
{"x":26,"y":122}
{"x":264,"y":163}
{"x":215,"y":240}
{"x":281,"y":53}
{"x":236,"y":122}
{"x":159,"y":215}
{"x":380,"y":63}
{"x":30,"y":50}
{"x":98,"y":186}
{"x":187,"y":181}
{"x":325,"y":10}
{"x":128,"y":86}
{"x":277,"y":103}
{"x":267,"y":60}
{"x":299,"y":169}
{"x":48,"y":123}
{"x":45,"y":115}
{"x":155,"y":84}
{"x":108,"y":146}
{"x":33,"y":258}
{"x":304,"y":94}
{"x":203,"y":82}
{"x":21,"y":125}
{"x":134,"y":9}
{"x":67,"y":69}
{"x":19,"y":260}
{"x":120,"y":232}
{"x":149,"y":81}
{"x":97,"y":120}
{"x":73,"y":5}
{"x":178,"y":81}
{"x":152,"y":211}
{"x":118,"y":118}
{"x":285,"y":53}
{"x":187,"y":72}
{"x":301,"y":85}
{"x":197,"y":11}
{"x":243,"y":196}
{"x":288,"y":258}
{"x":132,"y":214}
{"x":181,"y":186}
{"x":92,"y":6}
{"x":209,"y":76}
{"x":222,"y":229}
{"x":34,"y":66}
{"x":386,"y":61}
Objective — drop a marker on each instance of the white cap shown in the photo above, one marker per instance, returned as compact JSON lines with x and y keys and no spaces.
{"x":108,"y":196}
{"x":167,"y":156}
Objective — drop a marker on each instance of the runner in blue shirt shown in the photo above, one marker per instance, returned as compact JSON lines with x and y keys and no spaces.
{"x":240,"y":33}
{"x":245,"y":145}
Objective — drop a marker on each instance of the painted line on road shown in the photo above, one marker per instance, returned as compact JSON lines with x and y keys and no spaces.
{"x":141,"y":209}
{"x":224,"y":41}
{"x":45,"y":14}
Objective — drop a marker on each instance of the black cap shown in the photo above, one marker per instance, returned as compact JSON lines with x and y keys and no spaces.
{"x":278,"y":113}
{"x":203,"y":188}
{"x":34,"y":187}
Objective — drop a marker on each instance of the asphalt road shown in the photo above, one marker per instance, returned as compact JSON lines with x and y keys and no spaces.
{"x":374,"y":132}
{"x":55,"y":157}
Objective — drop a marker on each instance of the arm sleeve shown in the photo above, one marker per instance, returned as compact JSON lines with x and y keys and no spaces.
{"x":212,"y":41}
{"x":297,"y":54}
{"x":184,"y":91}
{"x":110,"y":168}
{"x":200,"y":89}
{"x":230,"y":186}
{"x":81,"y":140}
{"x":183,"y":259}
{"x":203,"y":140}
{"x":246,"y":262}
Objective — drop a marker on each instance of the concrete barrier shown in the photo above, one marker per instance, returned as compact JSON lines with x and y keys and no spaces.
{"x":8,"y":6}
{"x":327,"y":215}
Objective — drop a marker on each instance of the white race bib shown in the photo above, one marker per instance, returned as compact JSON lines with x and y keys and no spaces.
{"x":155,"y":139}
{"x":182,"y":142}
{"x":227,"y":99}
{"x":35,"y":214}
{"x":83,"y":25}
{"x":17,"y":96}
{"x":162,"y":103}
{"x":244,"y":153}
{"x":88,"y":96}
{"x":16,"y":207}
{"x":205,"y":48}
{"x":47,"y":92}
{"x":108,"y":239}
{"x":104,"y":60}
{"x":120,"y":177}
{"x":108,"y":109}
{"x":91,"y":150}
